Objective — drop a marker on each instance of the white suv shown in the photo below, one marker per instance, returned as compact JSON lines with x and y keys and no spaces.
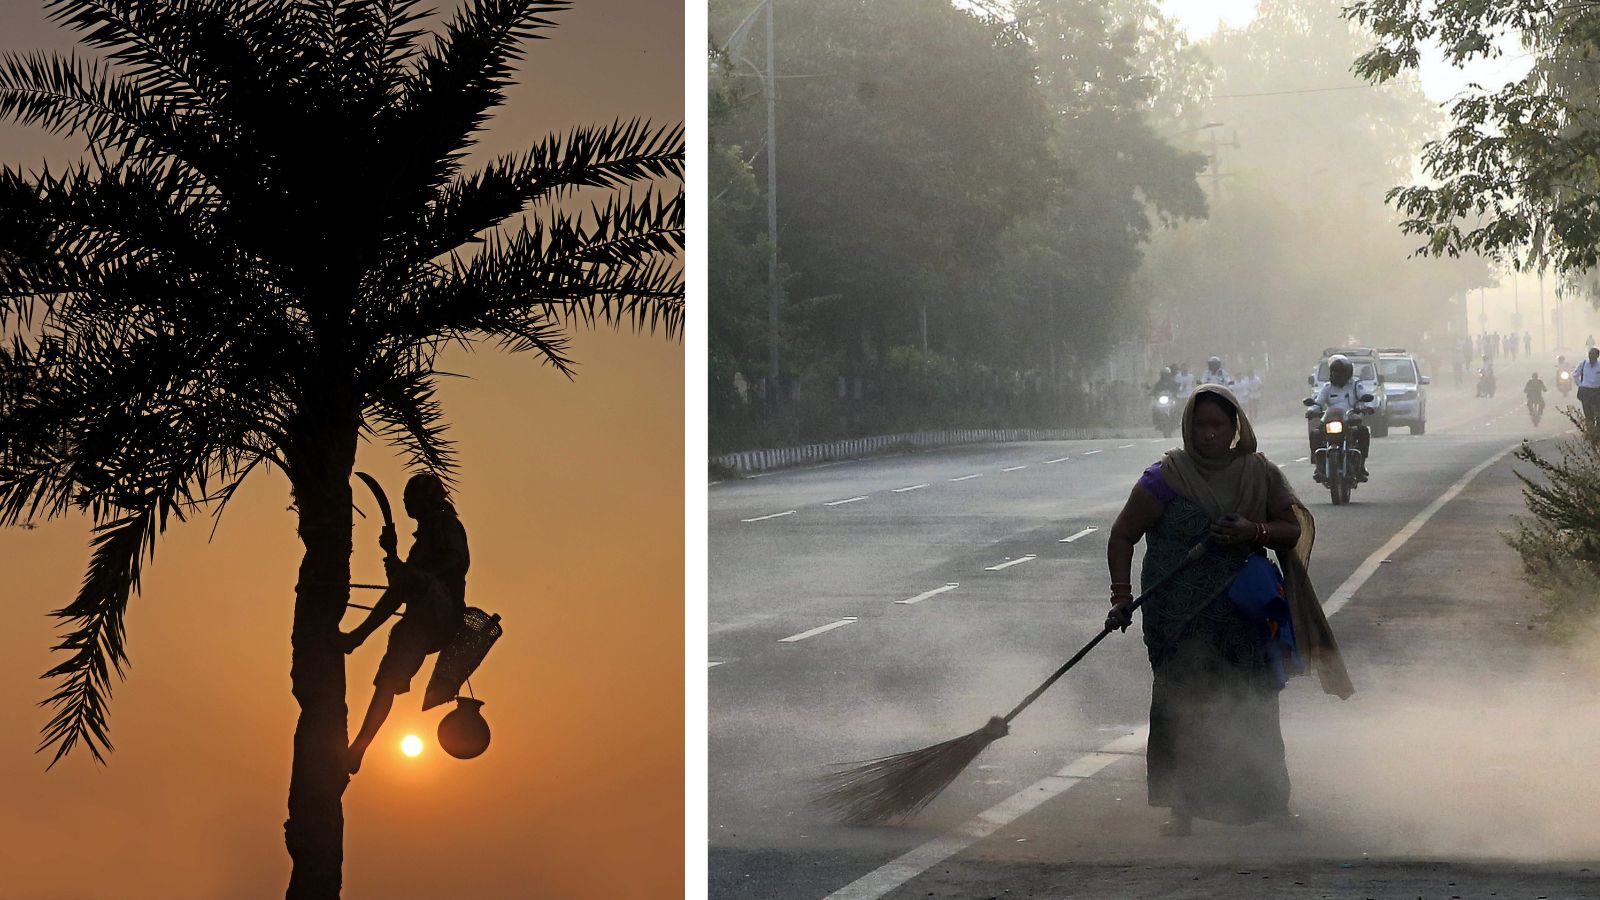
{"x":1404,"y":384}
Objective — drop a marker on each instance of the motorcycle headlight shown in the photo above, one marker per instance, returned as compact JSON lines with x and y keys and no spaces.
{"x":1335,"y":427}
{"x":1164,"y":401}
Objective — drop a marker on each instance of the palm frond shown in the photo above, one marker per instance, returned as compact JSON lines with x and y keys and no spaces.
{"x":591,"y":157}
{"x":407,"y":414}
{"x":95,"y":639}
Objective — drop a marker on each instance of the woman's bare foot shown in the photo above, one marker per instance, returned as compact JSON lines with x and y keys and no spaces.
{"x":1179,"y":825}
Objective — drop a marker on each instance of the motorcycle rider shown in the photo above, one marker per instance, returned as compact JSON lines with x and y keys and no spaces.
{"x":1343,"y":391}
{"x":1185,"y":383}
{"x":1534,"y":390}
{"x":1563,"y":376}
{"x":1486,"y":377}
{"x":1166,"y":383}
{"x":1215,"y":374}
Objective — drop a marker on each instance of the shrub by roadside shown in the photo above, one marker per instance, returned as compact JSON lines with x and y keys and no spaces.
{"x":1560,"y":541}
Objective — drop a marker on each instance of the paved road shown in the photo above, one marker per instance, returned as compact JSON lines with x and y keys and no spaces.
{"x":820,"y":655}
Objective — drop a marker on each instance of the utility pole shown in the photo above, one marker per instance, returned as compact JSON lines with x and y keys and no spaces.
{"x":1544,"y":343}
{"x":1216,"y":160}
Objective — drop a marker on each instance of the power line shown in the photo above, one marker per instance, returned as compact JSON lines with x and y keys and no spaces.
{"x":1323,"y":90}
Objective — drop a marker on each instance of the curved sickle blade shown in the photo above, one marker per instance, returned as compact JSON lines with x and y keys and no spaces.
{"x":378,"y":495}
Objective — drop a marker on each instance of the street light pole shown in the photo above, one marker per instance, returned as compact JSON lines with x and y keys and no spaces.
{"x":773,"y":294}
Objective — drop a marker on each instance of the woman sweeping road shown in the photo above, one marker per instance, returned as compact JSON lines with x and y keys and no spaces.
{"x":1227,"y":629}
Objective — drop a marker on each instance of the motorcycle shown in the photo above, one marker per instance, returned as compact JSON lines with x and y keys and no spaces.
{"x":1564,"y":382}
{"x":1485,"y":383}
{"x":1164,"y":414}
{"x":1338,"y":462}
{"x":1535,"y":409}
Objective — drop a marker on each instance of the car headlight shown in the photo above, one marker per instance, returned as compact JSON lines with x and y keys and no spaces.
{"x":1334,"y":427}
{"x":1164,"y":401}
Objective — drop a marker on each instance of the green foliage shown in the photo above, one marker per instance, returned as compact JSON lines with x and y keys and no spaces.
{"x":269,"y":241}
{"x":1558,"y":543}
{"x":1514,"y":178}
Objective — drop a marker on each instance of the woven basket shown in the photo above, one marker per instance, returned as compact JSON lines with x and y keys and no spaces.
{"x":461,"y":657}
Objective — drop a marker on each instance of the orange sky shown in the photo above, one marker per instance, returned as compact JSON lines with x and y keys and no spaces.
{"x":572,"y":496}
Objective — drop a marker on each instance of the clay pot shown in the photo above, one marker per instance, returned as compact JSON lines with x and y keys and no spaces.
{"x":462,"y":732}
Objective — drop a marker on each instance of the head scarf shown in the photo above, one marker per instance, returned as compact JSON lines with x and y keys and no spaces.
{"x":1245,"y":483}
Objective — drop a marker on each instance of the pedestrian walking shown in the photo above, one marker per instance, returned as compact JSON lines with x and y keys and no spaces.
{"x":1587,"y":377}
{"x":1224,"y":633}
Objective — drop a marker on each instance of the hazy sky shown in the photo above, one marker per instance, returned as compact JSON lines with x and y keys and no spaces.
{"x":1440,"y":81}
{"x":572,"y":496}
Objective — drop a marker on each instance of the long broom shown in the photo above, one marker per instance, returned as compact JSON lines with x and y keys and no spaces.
{"x":899,"y":786}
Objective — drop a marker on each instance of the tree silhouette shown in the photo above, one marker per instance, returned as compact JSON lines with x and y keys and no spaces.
{"x":268,"y":243}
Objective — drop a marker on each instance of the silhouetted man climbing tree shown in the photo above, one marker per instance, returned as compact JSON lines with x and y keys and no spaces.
{"x":432,"y":585}
{"x":269,"y":241}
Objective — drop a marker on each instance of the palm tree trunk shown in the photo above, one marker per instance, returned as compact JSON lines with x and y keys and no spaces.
{"x":314,"y":832}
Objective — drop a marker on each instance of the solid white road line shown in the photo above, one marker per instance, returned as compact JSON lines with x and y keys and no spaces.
{"x":886,"y":878}
{"x":1342,"y":594}
{"x":843,"y":502}
{"x":891,"y":875}
{"x":1072,"y":537}
{"x":914,"y":487}
{"x":847,"y":620}
{"x":1009,"y":563}
{"x":773,"y":516}
{"x":1013,"y":468}
{"x":1056,"y":460}
{"x":1090,"y":452}
{"x":949,"y":586}
{"x":966,"y":477}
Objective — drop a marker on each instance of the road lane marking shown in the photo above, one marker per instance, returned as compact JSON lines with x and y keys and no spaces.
{"x":949,"y":586}
{"x":1342,"y":594}
{"x":1072,"y":537}
{"x":967,"y":477}
{"x":773,"y":516}
{"x":914,"y":487}
{"x":888,"y":877}
{"x":1056,"y":460}
{"x":1302,"y":459}
{"x":843,"y":502}
{"x":1124,"y":446}
{"x":715,"y":663}
{"x":892,"y":875}
{"x":847,"y":620}
{"x":1009,"y":563}
{"x":1090,"y":452}
{"x":1013,"y":468}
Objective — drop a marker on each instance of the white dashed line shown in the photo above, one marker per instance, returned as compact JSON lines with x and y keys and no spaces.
{"x":1056,"y":460}
{"x":950,"y":586}
{"x":1124,"y":446}
{"x":914,"y":487}
{"x":1090,"y":452}
{"x":773,"y":516}
{"x":1009,"y":563}
{"x":847,"y":620}
{"x":715,"y":663}
{"x":1013,"y":469}
{"x":968,"y":477}
{"x":1072,"y":537}
{"x":1302,"y":459}
{"x":848,"y":500}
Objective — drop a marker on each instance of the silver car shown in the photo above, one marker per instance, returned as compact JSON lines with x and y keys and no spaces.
{"x":1405,"y":386}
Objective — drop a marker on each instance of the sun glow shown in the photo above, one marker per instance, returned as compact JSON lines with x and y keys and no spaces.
{"x":411,"y":745}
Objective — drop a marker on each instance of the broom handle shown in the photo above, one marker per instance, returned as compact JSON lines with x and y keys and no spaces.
{"x":1195,"y":552}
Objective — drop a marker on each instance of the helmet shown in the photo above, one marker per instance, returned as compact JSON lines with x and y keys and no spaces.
{"x":1166,"y":372}
{"x":1340,"y":369}
{"x":1214,"y":363}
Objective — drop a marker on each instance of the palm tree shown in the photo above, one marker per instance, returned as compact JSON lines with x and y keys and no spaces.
{"x":268,"y":243}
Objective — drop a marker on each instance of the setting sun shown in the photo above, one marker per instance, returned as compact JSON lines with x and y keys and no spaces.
{"x":411,"y":745}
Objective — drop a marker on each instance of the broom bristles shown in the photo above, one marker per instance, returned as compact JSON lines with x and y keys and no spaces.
{"x":896,"y":787}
